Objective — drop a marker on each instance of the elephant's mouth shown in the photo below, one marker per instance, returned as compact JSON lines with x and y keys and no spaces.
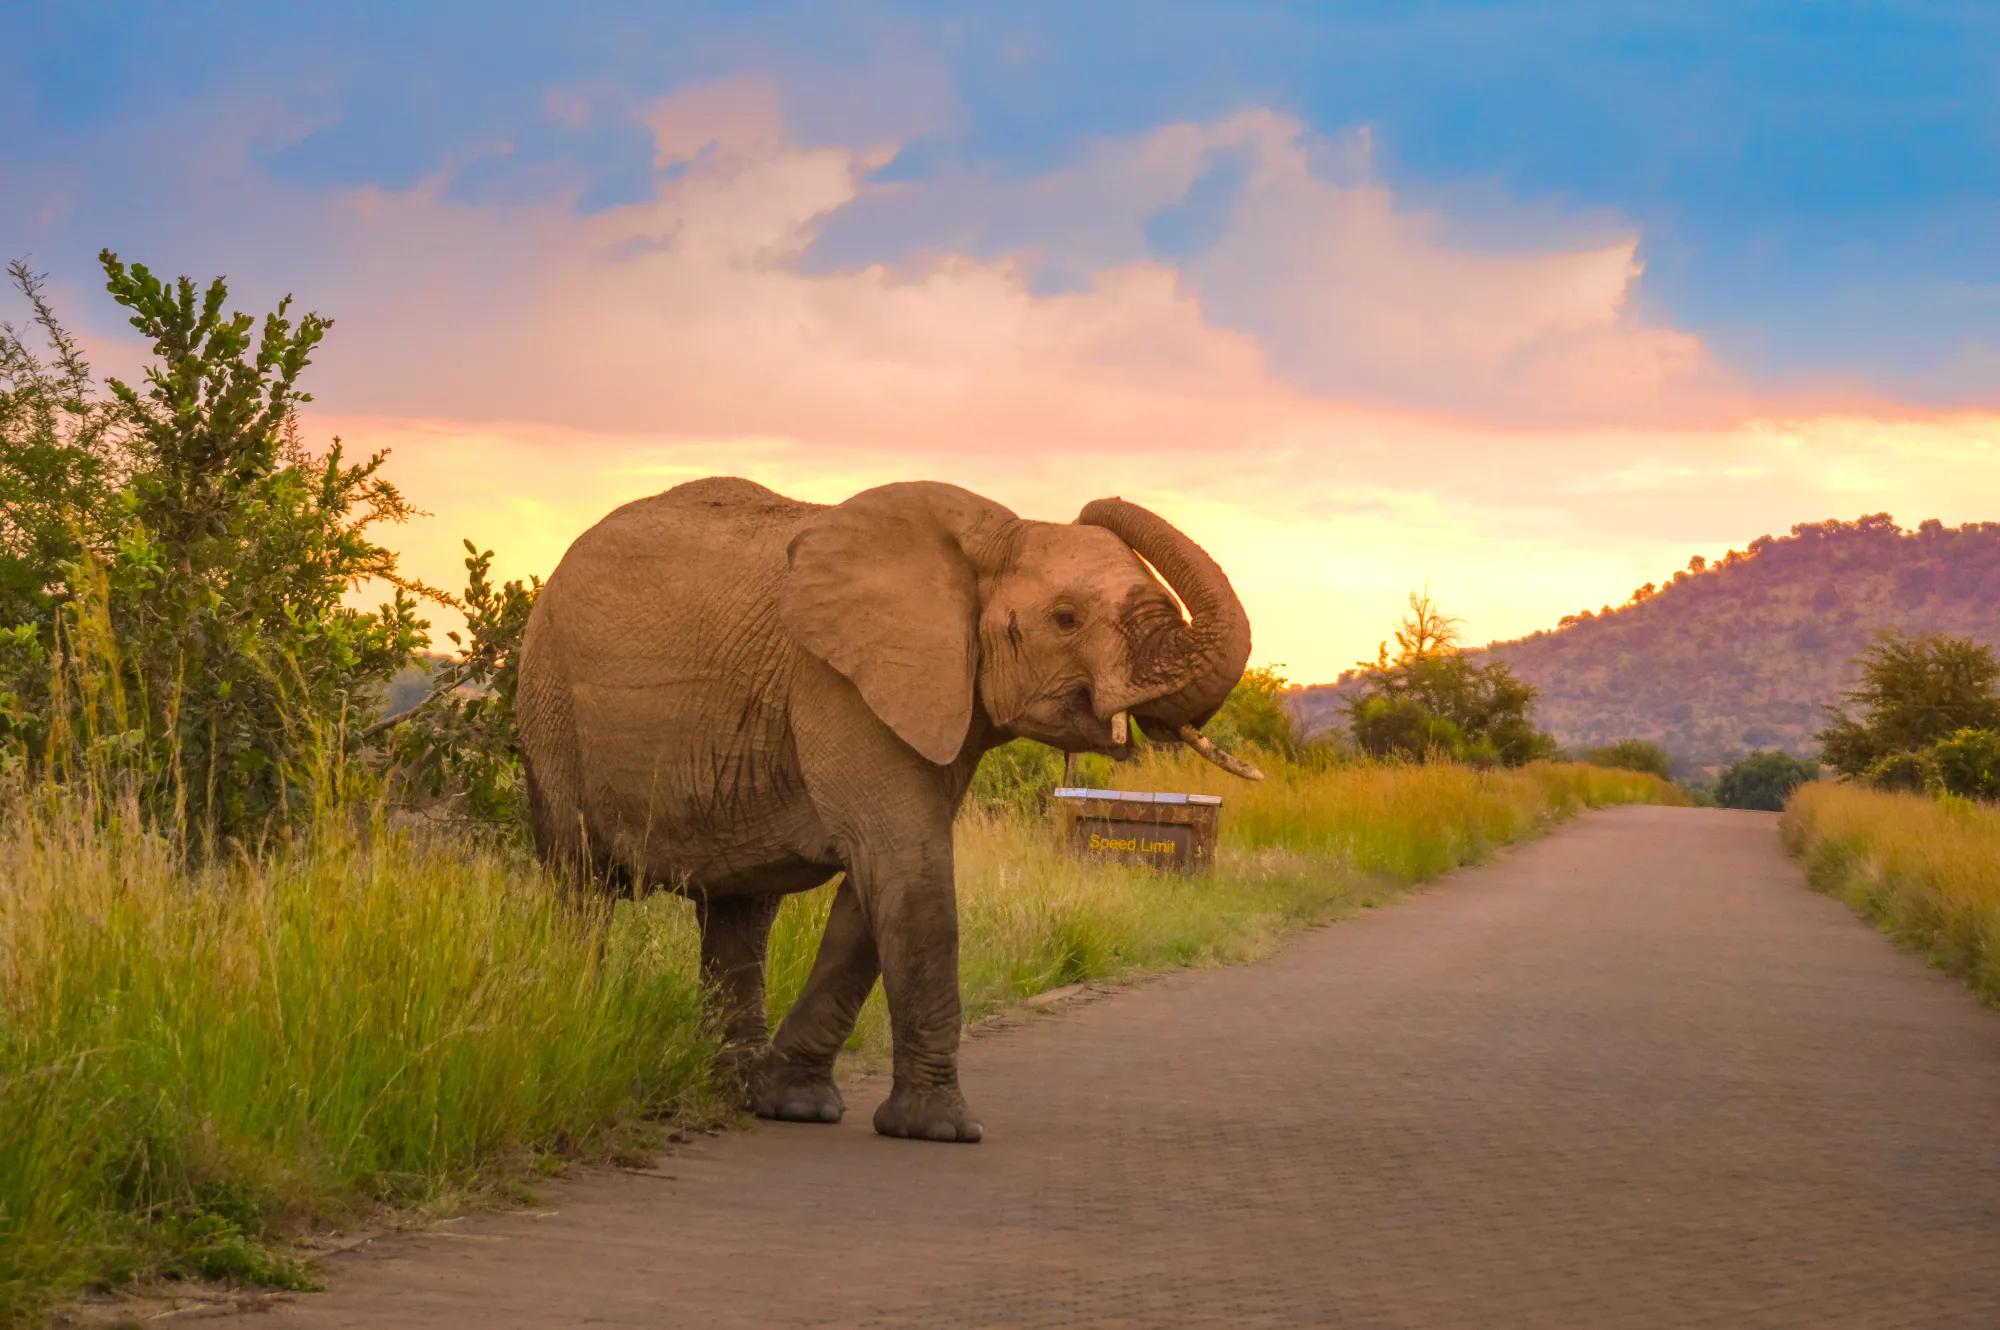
{"x":1121,"y":740}
{"x":1082,"y":705}
{"x":1082,"y":702}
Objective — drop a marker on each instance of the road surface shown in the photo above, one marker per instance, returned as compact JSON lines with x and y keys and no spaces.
{"x":1636,"y":1074}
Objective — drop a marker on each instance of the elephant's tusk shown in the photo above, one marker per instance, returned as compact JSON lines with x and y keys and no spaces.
{"x":1120,"y":729}
{"x":1229,"y":762}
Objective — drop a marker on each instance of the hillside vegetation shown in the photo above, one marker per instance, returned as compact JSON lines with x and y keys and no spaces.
{"x":1743,"y":653}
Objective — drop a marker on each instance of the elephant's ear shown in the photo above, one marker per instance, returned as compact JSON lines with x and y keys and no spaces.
{"x":880,"y":588}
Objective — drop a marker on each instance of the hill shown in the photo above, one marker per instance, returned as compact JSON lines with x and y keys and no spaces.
{"x":1743,"y":653}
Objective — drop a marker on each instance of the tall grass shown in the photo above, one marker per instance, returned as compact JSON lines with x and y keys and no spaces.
{"x":1926,"y":870}
{"x":193,"y":1062}
{"x":196,"y":1062}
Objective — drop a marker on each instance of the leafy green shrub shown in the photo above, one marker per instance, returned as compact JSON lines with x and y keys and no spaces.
{"x":1632,"y":755}
{"x":174,"y":562}
{"x":1020,"y":776}
{"x":1968,"y":764}
{"x":1905,"y":773}
{"x":1404,"y":728}
{"x":1763,"y":780}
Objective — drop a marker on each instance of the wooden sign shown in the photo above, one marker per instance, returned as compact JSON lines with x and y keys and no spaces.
{"x":1166,"y":831}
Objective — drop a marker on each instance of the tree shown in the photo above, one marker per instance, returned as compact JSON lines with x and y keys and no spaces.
{"x":1426,"y":631}
{"x":1914,"y":692}
{"x":1430,"y":700}
{"x":185,"y":558}
{"x":1763,"y":780}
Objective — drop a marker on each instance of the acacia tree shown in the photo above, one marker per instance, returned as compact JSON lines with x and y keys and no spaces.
{"x":1430,"y":700}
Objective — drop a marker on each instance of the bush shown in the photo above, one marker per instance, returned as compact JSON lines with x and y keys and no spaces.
{"x":1968,"y":764}
{"x":1914,"y":692}
{"x":1632,"y":755}
{"x":1903,"y":773}
{"x":1763,"y":780}
{"x":1402,"y":727}
{"x":174,"y":566}
{"x":1020,"y":775}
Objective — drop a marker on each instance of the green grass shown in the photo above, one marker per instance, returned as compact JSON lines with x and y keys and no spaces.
{"x":1925,"y":870}
{"x":196,"y":1065}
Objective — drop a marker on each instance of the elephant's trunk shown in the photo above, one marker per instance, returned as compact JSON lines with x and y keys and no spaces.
{"x":1198,"y":662}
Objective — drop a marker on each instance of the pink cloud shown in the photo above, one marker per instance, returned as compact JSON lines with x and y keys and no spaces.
{"x":690,"y":312}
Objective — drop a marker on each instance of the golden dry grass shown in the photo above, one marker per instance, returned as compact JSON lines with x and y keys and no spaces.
{"x":1926,"y":870}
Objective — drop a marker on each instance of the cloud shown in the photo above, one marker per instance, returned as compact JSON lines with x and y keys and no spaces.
{"x":1293,"y":238}
{"x":1237,"y":321}
{"x":1362,"y":297}
{"x":712,"y":306}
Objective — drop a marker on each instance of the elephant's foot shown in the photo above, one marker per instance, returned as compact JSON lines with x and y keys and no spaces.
{"x":791,"y":1093}
{"x":926,"y":1113}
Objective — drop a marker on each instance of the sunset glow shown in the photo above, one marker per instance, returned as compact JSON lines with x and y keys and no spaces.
{"x":1345,"y":364}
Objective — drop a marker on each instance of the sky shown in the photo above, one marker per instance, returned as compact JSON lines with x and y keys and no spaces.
{"x":1525,"y":303}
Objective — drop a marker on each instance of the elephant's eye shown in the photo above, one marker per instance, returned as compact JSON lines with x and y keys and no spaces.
{"x":1065,"y":619}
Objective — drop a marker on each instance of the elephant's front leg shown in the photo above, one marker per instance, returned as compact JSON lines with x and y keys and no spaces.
{"x":912,"y":904}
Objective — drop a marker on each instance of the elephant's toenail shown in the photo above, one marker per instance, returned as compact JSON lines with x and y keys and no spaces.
{"x":941,"y":1131}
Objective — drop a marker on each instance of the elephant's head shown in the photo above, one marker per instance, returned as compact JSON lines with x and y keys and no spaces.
{"x":932,"y":601}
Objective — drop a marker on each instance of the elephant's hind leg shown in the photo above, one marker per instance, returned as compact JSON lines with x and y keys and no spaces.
{"x":735,"y":930}
{"x":795,"y":1082}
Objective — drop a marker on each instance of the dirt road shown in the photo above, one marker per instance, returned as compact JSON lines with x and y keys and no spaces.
{"x":1633,"y":1075}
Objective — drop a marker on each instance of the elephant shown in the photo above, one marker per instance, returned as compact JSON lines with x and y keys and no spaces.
{"x":734,"y":695}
